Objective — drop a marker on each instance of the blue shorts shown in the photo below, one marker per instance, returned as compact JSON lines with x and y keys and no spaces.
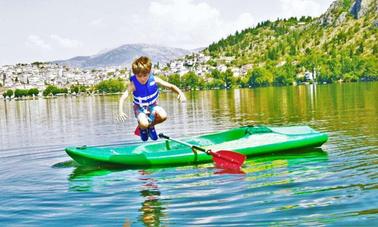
{"x":148,"y":110}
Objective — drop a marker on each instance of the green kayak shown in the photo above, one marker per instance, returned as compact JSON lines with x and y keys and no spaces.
{"x":249,"y":140}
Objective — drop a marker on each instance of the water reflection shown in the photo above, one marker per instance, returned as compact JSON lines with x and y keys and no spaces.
{"x":152,"y":209}
{"x":264,"y":175}
{"x":283,"y":105}
{"x":83,"y":179}
{"x":256,"y":169}
{"x":289,"y":165}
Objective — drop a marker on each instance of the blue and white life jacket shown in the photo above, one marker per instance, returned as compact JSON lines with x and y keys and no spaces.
{"x":145,"y":94}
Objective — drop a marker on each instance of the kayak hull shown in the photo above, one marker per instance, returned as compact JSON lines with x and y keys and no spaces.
{"x":251,"y":140}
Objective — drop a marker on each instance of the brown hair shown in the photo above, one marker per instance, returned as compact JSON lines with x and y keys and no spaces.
{"x":141,"y":65}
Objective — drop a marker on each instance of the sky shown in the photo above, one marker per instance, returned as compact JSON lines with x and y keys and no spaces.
{"x":46,"y":30}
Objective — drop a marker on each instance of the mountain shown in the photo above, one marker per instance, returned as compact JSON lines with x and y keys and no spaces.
{"x":124,"y":55}
{"x":341,"y":44}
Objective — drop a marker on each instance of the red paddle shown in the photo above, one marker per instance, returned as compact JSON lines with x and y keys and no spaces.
{"x":223,"y":159}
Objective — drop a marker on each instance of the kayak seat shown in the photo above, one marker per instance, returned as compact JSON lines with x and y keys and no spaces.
{"x":257,"y":130}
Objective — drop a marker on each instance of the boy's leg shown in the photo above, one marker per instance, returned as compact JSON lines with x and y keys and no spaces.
{"x":143,"y":121}
{"x":143,"y":124}
{"x":159,"y":116}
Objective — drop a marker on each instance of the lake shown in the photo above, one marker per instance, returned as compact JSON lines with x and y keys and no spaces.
{"x":336,"y":184}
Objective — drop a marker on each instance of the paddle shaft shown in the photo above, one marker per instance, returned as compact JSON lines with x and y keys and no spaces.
{"x":223,"y":158}
{"x":161,"y":135}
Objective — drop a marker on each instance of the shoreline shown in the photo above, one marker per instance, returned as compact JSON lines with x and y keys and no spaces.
{"x":163,"y":91}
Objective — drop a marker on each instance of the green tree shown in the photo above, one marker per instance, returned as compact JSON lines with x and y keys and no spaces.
{"x":190,"y":80}
{"x":375,"y":49}
{"x":216,"y":74}
{"x":74,"y":89}
{"x":335,"y":69}
{"x":242,"y":81}
{"x":202,"y":83}
{"x":82,"y":88}
{"x":228,"y":78}
{"x":215,"y":83}
{"x":284,"y":75}
{"x":370,"y":68}
{"x":63,"y":91}
{"x":33,"y":91}
{"x":175,"y":79}
{"x":50,"y":90}
{"x":111,"y":86}
{"x":324,"y":74}
{"x":260,"y":77}
{"x":350,"y":77}
{"x":20,"y":93}
{"x":9,"y":93}
{"x":360,"y":49}
{"x":272,"y":53}
{"x":293,"y":50}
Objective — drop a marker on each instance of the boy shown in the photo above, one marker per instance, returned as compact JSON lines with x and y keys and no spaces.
{"x":143,"y":85}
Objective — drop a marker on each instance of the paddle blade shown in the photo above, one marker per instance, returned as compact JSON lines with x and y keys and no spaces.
{"x":137,"y":131}
{"x":228,"y":159}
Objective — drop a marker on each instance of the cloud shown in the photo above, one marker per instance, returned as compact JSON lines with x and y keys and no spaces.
{"x":99,"y":22}
{"x":245,"y":20}
{"x":65,"y":42}
{"x":185,"y":23}
{"x":297,"y":8}
{"x":36,"y":41}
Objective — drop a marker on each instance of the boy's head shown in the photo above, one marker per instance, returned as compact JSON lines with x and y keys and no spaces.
{"x":141,"y":65}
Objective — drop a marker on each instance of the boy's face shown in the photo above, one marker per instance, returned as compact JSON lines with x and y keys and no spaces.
{"x":142,"y":77}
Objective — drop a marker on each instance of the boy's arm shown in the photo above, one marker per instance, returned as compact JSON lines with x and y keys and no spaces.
{"x":130,"y":88}
{"x":181,"y":97}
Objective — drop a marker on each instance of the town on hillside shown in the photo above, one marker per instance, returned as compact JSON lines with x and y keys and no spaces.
{"x":40,"y":75}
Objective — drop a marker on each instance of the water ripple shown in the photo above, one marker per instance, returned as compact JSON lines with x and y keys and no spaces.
{"x":335,"y":185}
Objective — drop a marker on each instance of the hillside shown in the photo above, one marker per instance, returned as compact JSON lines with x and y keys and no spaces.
{"x":341,"y":44}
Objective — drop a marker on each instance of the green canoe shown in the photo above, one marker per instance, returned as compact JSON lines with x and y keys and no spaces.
{"x":249,"y":140}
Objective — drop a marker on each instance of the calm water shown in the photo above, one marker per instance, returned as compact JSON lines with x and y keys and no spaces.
{"x":335,"y":185}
